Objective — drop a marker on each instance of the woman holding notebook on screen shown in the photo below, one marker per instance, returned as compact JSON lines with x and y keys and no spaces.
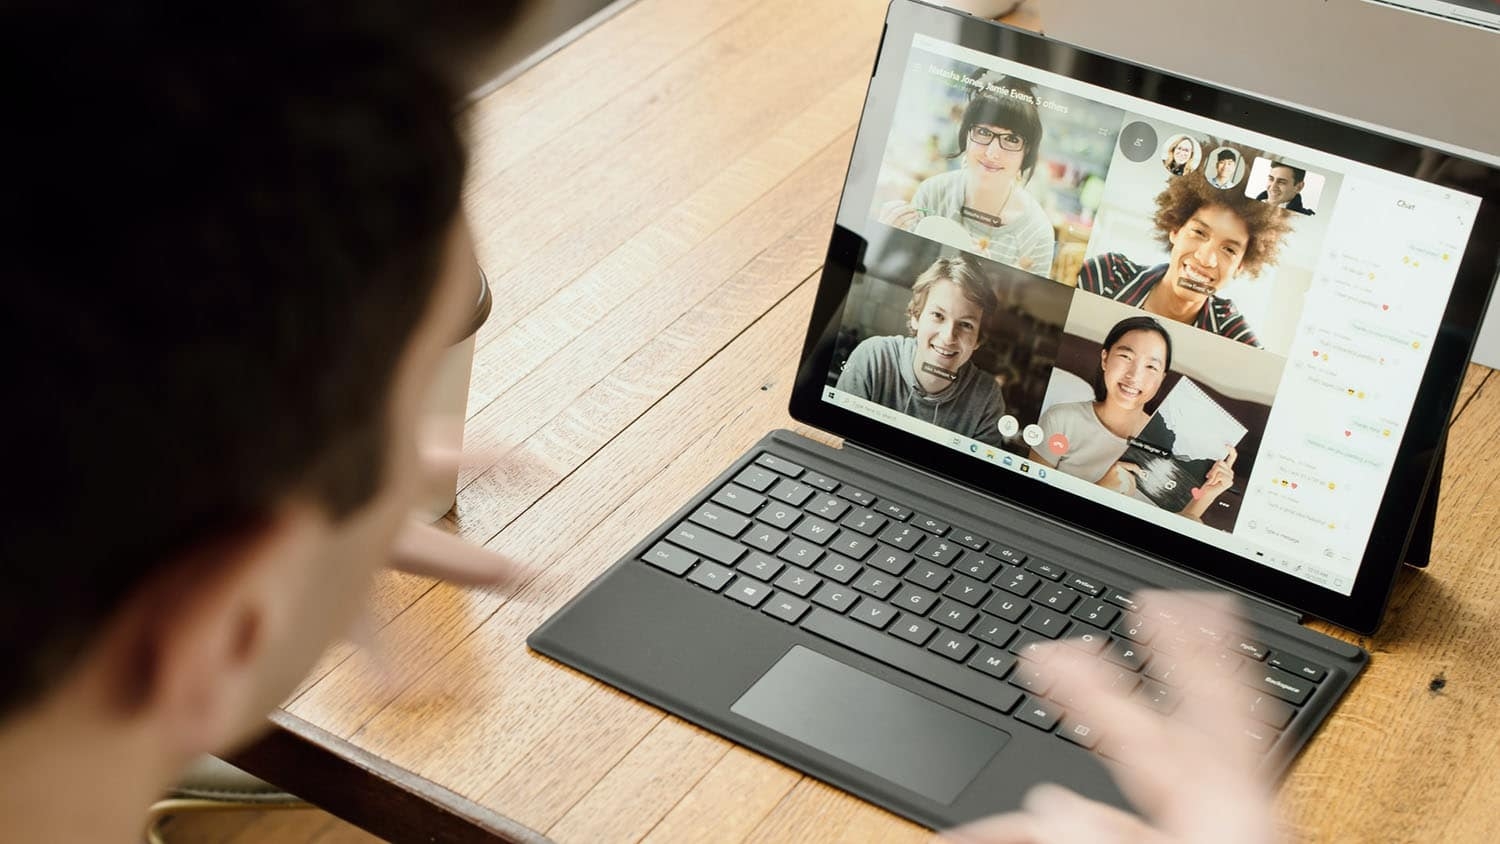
{"x":1090,"y":439}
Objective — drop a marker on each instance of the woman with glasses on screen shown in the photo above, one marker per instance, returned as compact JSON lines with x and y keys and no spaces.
{"x":983,"y":206}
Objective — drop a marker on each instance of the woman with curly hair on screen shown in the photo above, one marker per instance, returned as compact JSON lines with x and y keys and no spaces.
{"x":1213,"y":236}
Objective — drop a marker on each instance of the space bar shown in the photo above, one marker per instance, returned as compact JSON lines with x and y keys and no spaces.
{"x":912,"y":660}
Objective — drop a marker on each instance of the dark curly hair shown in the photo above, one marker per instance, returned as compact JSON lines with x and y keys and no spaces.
{"x":1191,"y":191}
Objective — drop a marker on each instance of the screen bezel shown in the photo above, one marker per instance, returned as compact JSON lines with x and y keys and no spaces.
{"x":1420,"y":446}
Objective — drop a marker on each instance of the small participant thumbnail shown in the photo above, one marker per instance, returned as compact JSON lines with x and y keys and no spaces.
{"x":1181,"y":154}
{"x":1224,"y":168}
{"x":995,"y":165}
{"x":1285,"y":185}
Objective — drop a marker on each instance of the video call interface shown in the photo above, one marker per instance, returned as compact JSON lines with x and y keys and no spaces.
{"x":1191,"y":323}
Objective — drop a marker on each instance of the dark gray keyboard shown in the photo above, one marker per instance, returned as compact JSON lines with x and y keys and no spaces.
{"x":950,"y":606}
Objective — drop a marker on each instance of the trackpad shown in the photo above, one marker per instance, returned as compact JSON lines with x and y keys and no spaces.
{"x":871,"y":724}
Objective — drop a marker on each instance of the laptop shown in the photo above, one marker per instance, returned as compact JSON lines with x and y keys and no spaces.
{"x":1084,"y":329}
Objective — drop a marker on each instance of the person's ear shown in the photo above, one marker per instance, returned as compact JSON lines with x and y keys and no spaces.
{"x":194,"y":640}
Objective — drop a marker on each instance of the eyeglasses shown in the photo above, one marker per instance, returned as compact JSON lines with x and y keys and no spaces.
{"x":1009,"y":141}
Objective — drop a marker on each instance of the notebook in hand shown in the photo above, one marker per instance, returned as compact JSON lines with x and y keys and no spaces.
{"x":1050,"y":267}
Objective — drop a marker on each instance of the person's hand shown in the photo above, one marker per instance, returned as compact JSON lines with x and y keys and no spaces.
{"x":429,"y":551}
{"x":1219,"y":478}
{"x":1192,"y":775}
{"x":900,"y":214}
{"x":1121,"y":477}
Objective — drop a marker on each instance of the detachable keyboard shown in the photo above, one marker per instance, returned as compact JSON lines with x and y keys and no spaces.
{"x":948,"y":605}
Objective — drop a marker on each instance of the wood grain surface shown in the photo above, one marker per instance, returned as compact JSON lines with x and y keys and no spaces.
{"x":651,"y":205}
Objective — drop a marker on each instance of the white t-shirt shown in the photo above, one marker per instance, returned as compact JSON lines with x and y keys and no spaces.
{"x":1092,"y":448}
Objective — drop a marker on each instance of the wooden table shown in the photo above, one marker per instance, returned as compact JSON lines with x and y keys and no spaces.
{"x":652,"y":205}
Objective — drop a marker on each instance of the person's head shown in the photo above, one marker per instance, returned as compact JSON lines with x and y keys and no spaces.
{"x":950,"y":309}
{"x":1224,"y":166}
{"x":1283,"y":182}
{"x":1182,"y":152}
{"x":238,"y":264}
{"x":1133,"y":360}
{"x":1000,"y":134}
{"x":1213,"y":236}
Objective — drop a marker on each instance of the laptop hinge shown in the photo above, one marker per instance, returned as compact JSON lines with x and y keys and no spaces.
{"x":1256,"y":604}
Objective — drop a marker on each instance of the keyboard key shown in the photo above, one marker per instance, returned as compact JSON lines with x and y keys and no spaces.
{"x":1040,"y":713}
{"x":1122,"y":599}
{"x":905,"y":537}
{"x":954,"y":615}
{"x":1251,"y":648}
{"x":942,"y":551}
{"x":738,"y":499}
{"x":786,"y":608}
{"x":748,"y":592}
{"x":756,"y":478}
{"x":1270,"y":710}
{"x":1163,"y":669}
{"x":720,"y":520}
{"x":994,"y":662}
{"x":1136,"y":629}
{"x":711,"y":576}
{"x":1087,"y":585}
{"x":1226,"y":663}
{"x":791,"y":492}
{"x":873,"y":613}
{"x":969,"y":540}
{"x":822,"y":482}
{"x":1029,"y":645}
{"x":800,"y":552}
{"x":1029,"y":676}
{"x":952,"y":646}
{"x":1006,"y":606}
{"x":1295,"y":665}
{"x":841,"y":569}
{"x":1089,"y":641}
{"x":915,"y":630}
{"x":890,"y":561}
{"x":1158,"y":696}
{"x":706,"y":543}
{"x":1007,"y":555}
{"x":779,"y":515}
{"x":1097,"y":613}
{"x":993,"y":630}
{"x":858,"y":496}
{"x":1047,"y":622}
{"x":827,"y":507}
{"x":929,"y":575}
{"x":1083,"y":734}
{"x":1127,"y":654}
{"x":835,"y":597}
{"x":1051,"y":571}
{"x":901,"y":656}
{"x":914,"y":599}
{"x":667,"y":558}
{"x":978,"y":567}
{"x":867,"y":522}
{"x":1059,"y":598}
{"x":1259,"y":738}
{"x":852,"y":544}
{"x":797,"y":582}
{"x":876,"y":583}
{"x":1017,"y":582}
{"x":929,"y":524}
{"x":968,"y":590}
{"x":1274,"y":681}
{"x":760,"y":566}
{"x":895,"y":511}
{"x":776,"y":464}
{"x":764,"y":538}
{"x":815,"y":529}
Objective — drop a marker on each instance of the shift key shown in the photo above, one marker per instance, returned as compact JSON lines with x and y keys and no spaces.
{"x":914,"y":661}
{"x":704,"y":541}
